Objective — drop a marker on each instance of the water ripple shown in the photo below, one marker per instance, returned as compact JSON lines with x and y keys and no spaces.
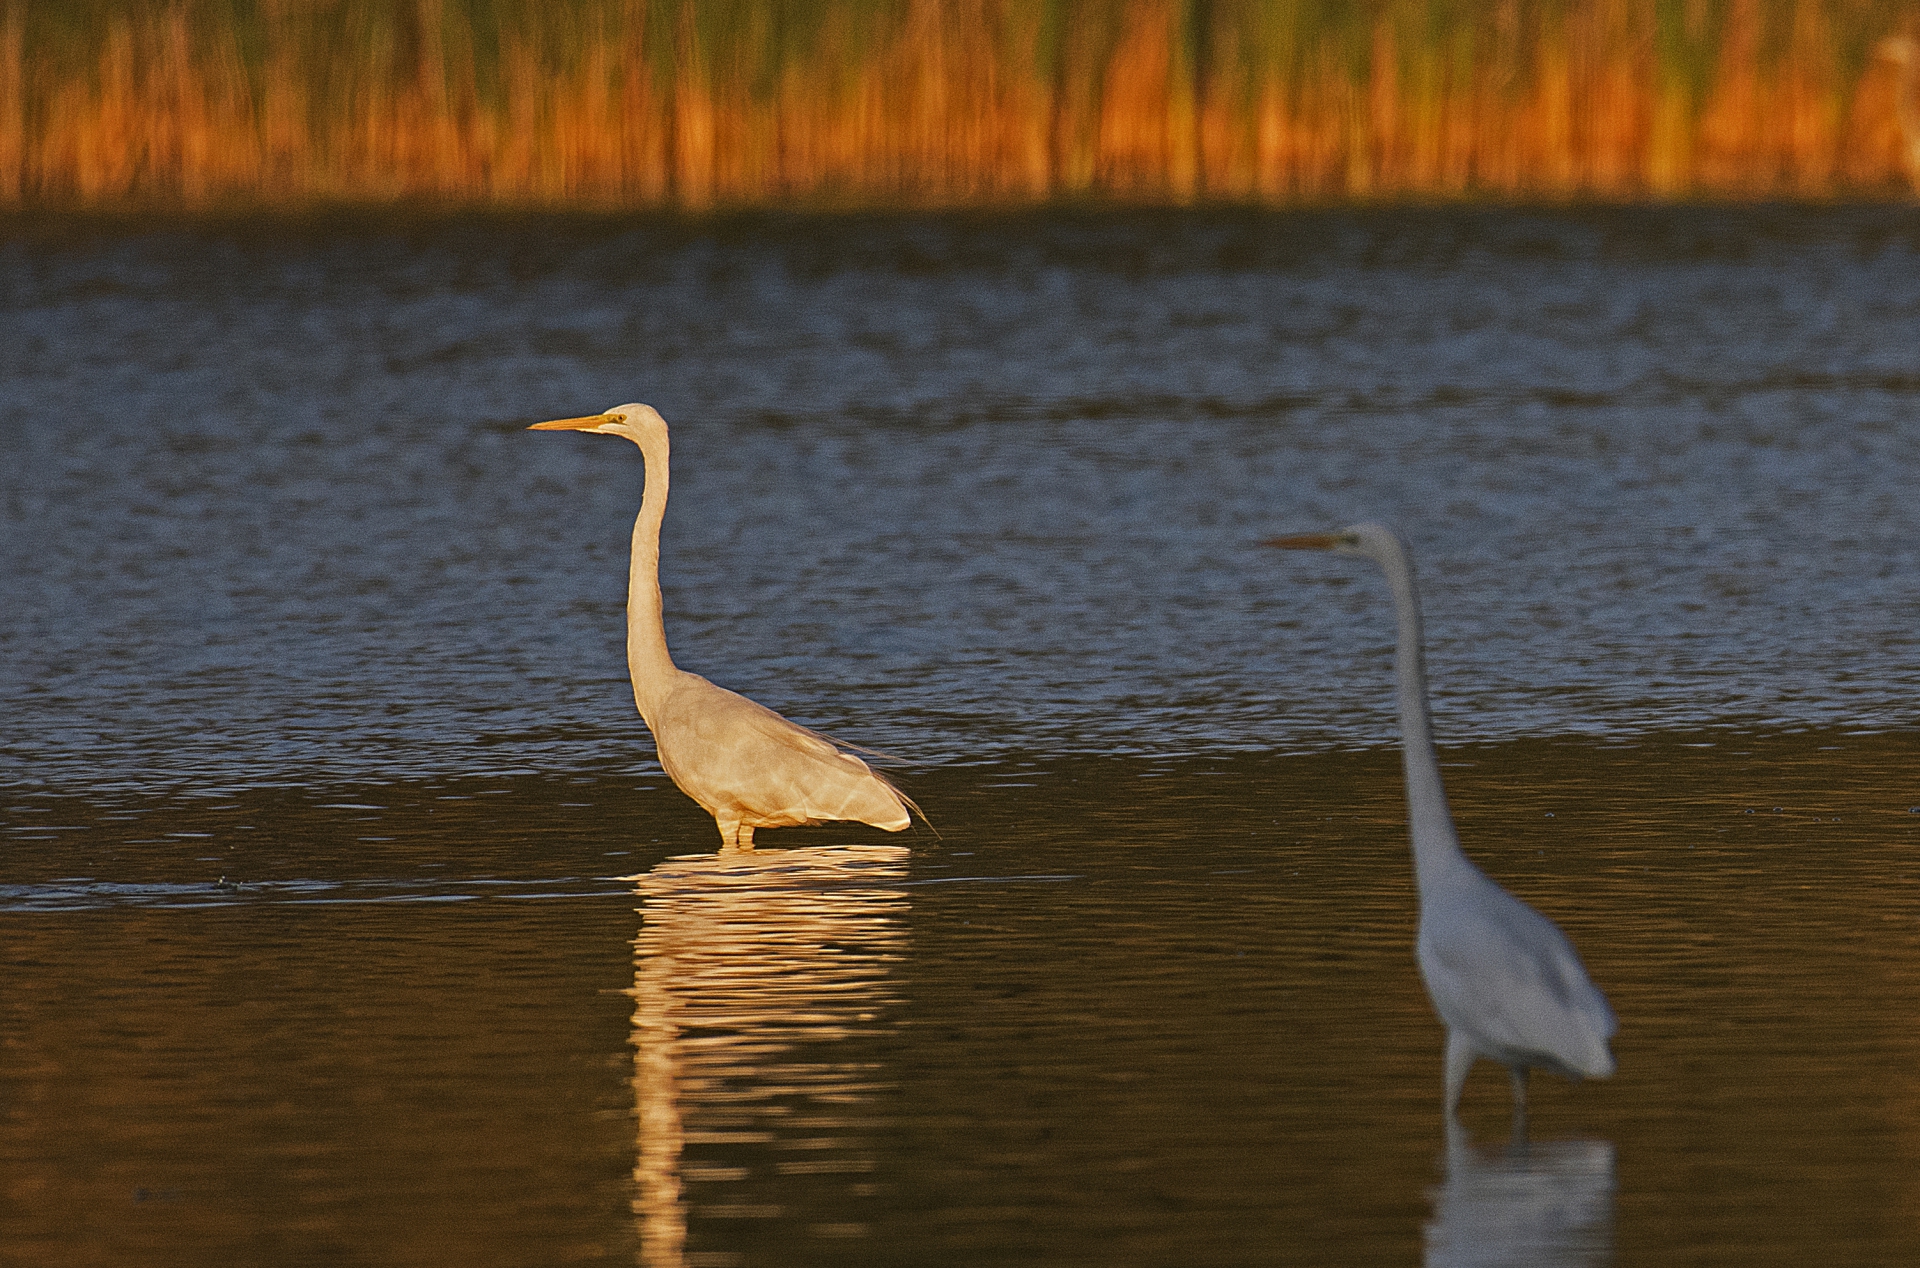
{"x":958,"y":488}
{"x":85,"y":894}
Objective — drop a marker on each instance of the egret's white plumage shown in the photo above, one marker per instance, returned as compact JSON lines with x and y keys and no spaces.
{"x":1504,"y":979}
{"x":745,"y":764}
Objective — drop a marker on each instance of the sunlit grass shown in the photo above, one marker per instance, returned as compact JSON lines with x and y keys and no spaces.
{"x":697,"y":103}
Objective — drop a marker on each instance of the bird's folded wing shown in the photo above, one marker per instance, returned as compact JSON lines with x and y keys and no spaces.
{"x":1518,"y":979}
{"x":730,"y":753}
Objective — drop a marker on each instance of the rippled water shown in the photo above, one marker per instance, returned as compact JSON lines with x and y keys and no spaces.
{"x":960,"y":488}
{"x":347,"y":919}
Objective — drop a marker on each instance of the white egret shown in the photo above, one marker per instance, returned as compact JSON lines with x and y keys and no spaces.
{"x":1504,"y":979}
{"x":746,"y":765}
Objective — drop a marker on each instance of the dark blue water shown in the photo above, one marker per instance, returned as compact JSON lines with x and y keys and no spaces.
{"x":959,"y":488}
{"x":339,"y":899}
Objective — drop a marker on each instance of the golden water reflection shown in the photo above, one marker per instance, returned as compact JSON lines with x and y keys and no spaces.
{"x":1545,"y":1204}
{"x":745,"y":965}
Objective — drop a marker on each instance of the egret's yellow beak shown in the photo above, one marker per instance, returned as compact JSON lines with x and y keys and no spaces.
{"x":1305,"y":541}
{"x":573,"y":424}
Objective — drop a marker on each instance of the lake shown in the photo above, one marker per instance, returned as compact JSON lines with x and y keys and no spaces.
{"x":348,"y":919}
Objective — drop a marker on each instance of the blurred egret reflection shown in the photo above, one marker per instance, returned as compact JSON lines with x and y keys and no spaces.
{"x":745,"y":965}
{"x":1545,"y":1204}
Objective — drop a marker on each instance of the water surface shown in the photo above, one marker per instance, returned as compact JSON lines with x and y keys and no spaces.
{"x":958,"y":487}
{"x":346,"y":917}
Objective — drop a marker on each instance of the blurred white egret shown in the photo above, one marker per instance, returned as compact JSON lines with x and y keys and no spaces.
{"x":746,"y":765}
{"x":1503,"y":978}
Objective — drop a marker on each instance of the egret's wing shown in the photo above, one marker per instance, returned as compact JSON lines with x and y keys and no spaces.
{"x":1506,"y":975}
{"x":731,"y":754}
{"x":833,"y":778}
{"x":780,"y":730}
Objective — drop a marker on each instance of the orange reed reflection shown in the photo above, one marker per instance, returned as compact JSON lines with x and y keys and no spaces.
{"x":744,"y":965}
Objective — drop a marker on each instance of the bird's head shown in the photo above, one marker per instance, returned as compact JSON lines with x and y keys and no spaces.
{"x":636,"y":422}
{"x":1373,"y":540}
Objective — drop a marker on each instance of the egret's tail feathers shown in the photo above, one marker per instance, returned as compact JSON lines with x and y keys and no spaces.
{"x":851,"y":791}
{"x":873,"y":756}
{"x":912,"y":808}
{"x":877,"y":803}
{"x":907,"y":806}
{"x":1585,"y":1056}
{"x":1599,"y":1063}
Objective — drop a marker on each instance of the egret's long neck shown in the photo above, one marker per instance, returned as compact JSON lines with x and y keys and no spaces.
{"x":1436,"y":846}
{"x":648,"y":660}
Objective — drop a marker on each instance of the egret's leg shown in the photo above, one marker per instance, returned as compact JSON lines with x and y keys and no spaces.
{"x":1518,"y":1073}
{"x":1460,"y":1057}
{"x":730,"y":830}
{"x":746,"y":836}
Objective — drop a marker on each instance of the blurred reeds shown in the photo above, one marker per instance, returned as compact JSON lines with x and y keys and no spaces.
{"x":700,"y":103}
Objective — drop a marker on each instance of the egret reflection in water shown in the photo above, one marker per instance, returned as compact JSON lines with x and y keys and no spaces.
{"x":1530,"y":1205}
{"x":749,"y":968}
